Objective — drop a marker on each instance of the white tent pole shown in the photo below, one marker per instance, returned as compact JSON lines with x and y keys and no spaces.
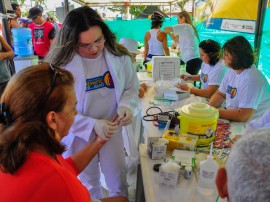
{"x":128,"y":10}
{"x":171,"y":11}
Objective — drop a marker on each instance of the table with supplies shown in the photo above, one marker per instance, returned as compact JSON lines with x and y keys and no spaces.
{"x":148,"y":186}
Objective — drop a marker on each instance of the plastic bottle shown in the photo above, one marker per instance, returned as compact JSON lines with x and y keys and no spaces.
{"x":208,"y":171}
{"x":22,"y":41}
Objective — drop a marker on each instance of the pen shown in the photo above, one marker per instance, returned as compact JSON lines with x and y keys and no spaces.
{"x":230,"y":138}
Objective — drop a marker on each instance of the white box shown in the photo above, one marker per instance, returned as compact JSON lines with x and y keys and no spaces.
{"x":168,"y":178}
{"x":165,"y":67}
{"x":176,"y":95}
{"x":183,"y":157}
{"x":156,"y":152}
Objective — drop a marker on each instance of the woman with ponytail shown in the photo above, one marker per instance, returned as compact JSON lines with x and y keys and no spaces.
{"x":188,"y":42}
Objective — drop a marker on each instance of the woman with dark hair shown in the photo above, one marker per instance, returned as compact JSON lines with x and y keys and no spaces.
{"x":106,"y":84}
{"x":155,"y":40}
{"x":212,"y":70}
{"x":188,"y":42}
{"x":37,"y":110}
{"x":245,"y":89}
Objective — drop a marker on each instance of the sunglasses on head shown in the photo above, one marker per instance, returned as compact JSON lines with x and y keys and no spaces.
{"x":158,"y":18}
{"x":56,"y":74}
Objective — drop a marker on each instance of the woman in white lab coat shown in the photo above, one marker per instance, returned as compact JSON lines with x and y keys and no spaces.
{"x":106,"y":84}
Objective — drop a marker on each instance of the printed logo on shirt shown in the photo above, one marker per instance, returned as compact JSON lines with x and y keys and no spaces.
{"x":231,"y":91}
{"x":39,"y":35}
{"x":204,"y":77}
{"x":104,"y":81}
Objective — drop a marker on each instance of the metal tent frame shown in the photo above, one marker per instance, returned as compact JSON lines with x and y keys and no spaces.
{"x":125,"y":2}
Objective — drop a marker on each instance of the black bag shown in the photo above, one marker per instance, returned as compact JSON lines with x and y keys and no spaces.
{"x":11,"y":66}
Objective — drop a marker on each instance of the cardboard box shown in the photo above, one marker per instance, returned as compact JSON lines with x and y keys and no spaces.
{"x":187,"y":142}
{"x":173,"y":138}
{"x":184,"y":141}
{"x":183,"y":157}
{"x":176,"y":95}
{"x":156,"y":151}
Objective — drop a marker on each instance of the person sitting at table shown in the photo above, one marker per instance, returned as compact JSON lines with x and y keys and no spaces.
{"x":262,"y":122}
{"x":155,"y":40}
{"x":212,"y":70}
{"x":33,"y":120}
{"x":188,"y":42}
{"x":246,"y":175}
{"x":245,"y":89}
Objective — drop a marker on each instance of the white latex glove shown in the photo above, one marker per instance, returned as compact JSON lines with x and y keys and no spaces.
{"x":124,"y":115}
{"x":105,"y":129}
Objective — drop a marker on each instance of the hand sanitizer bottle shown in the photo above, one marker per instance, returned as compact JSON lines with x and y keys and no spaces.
{"x":208,"y":171}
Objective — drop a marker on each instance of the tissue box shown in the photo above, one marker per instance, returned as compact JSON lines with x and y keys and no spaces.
{"x":167,"y":177}
{"x":156,"y":151}
{"x":176,"y":95}
{"x":172,"y":137}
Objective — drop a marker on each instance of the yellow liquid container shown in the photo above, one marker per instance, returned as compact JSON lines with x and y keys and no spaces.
{"x":149,"y":69}
{"x":199,"y":119}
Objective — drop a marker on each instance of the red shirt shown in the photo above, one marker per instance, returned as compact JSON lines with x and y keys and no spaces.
{"x":42,"y":179}
{"x":41,"y":36}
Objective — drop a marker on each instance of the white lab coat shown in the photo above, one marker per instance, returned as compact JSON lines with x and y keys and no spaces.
{"x":126,"y":90}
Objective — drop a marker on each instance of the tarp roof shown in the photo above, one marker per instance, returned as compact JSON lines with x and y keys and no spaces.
{"x":124,"y":2}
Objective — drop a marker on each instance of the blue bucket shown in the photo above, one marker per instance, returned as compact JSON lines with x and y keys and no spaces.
{"x":22,"y":41}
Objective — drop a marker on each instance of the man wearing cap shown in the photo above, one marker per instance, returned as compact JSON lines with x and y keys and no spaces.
{"x":43,"y":32}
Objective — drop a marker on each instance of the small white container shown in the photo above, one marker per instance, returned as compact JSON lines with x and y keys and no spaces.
{"x":188,"y":172}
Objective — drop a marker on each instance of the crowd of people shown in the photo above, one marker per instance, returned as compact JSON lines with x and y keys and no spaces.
{"x":58,"y":126}
{"x":43,"y":28}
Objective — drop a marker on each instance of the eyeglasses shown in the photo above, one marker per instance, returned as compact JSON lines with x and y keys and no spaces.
{"x":56,"y":73}
{"x":98,"y":42}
